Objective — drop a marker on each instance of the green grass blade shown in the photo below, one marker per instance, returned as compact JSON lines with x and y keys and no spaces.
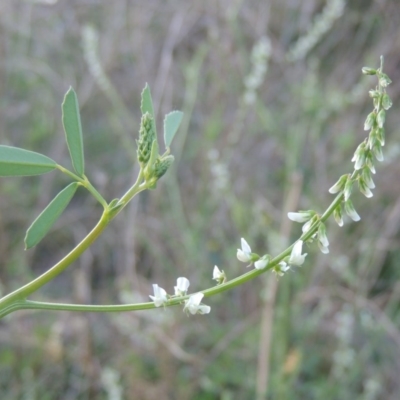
{"x":73,"y":130}
{"x":171,"y":125}
{"x":20,"y":162}
{"x":42,"y":224}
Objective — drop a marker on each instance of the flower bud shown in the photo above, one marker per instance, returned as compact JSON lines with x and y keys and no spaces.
{"x":323,"y":241}
{"x":359,"y":156}
{"x":301,"y":216}
{"x":368,"y":71}
{"x":377,"y":150}
{"x":374,"y":94}
{"x":386,"y":102}
{"x":337,"y":214}
{"x":364,"y":189}
{"x":350,"y":210}
{"x":369,"y":163}
{"x":147,"y":135}
{"x":161,"y":165}
{"x":380,"y":119}
{"x":384,"y":80}
{"x":380,"y":135}
{"x":348,"y":189}
{"x":339,"y":185}
{"x":366,"y":176}
{"x":370,"y":121}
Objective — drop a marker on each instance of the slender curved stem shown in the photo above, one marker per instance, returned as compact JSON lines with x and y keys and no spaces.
{"x":21,"y":303}
{"x":17,"y":299}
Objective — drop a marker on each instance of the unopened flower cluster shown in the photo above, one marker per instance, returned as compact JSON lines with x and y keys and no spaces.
{"x":366,"y":152}
{"x":192,"y":305}
{"x":369,"y":150}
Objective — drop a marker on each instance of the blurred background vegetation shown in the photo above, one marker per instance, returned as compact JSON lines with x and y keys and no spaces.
{"x":274,"y":104}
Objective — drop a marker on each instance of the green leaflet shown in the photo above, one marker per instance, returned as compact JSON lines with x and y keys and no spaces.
{"x":171,"y":125}
{"x":73,"y":130}
{"x":146,"y":104}
{"x":42,"y":224}
{"x":19,"y":162}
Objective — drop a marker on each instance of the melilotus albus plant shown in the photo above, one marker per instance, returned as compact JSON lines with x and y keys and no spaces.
{"x":20,"y":162}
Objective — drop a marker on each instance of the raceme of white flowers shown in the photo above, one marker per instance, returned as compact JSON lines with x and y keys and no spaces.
{"x":193,"y":304}
{"x":363,"y":165}
{"x":366,"y":152}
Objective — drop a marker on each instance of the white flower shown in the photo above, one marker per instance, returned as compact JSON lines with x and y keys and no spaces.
{"x":364,"y":189}
{"x":301,"y":216}
{"x":324,"y":249}
{"x":350,"y":211}
{"x":348,"y":189}
{"x":339,"y":185}
{"x":307,"y":225}
{"x":366,"y":175}
{"x":323,"y":241}
{"x":281,"y":268}
{"x":182,"y":285}
{"x":193,"y":305}
{"x":359,"y":156}
{"x":296,"y":258}
{"x":262,"y":262}
{"x":337,"y":213}
{"x":244,"y":254}
{"x":160,"y":296}
{"x":218,"y":275}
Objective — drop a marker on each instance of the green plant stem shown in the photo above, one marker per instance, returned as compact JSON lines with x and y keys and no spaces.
{"x":85,"y":182}
{"x":17,"y":299}
{"x":19,"y":302}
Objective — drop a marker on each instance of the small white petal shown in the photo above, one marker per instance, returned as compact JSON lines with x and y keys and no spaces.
{"x":182,"y":285}
{"x":261,"y":264}
{"x":324,"y":249}
{"x":322,"y":238}
{"x":339,"y":185}
{"x":219,"y":275}
{"x":360,"y":161}
{"x":160,"y":296}
{"x":307,"y":226}
{"x":350,"y":211}
{"x":193,"y":305}
{"x":299,"y":217}
{"x":244,"y":254}
{"x":216,"y":273}
{"x":245,"y":246}
{"x":365,"y":190}
{"x":203,"y":309}
{"x":296,"y":258}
